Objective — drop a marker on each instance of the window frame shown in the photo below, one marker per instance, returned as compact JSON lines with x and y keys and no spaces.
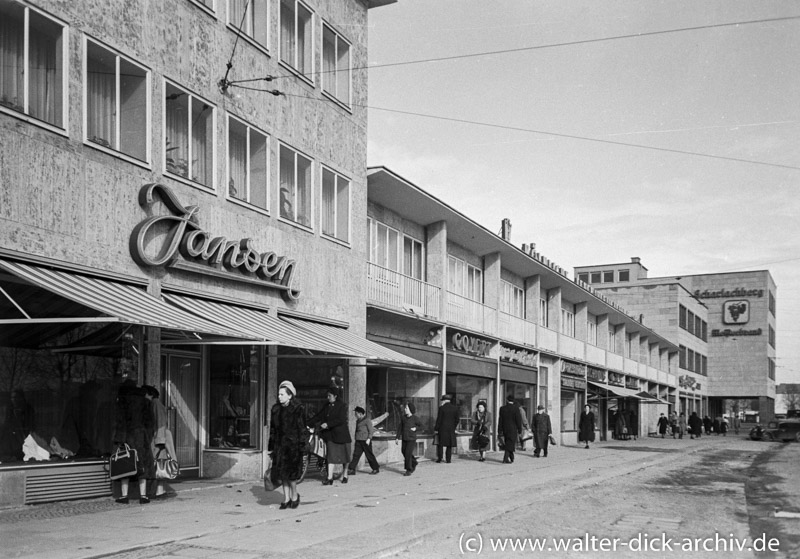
{"x":25,"y":115}
{"x":414,"y":273}
{"x":374,"y":234}
{"x":606,"y":274}
{"x":308,"y":73}
{"x":627,"y":275}
{"x":251,"y":37}
{"x":512,"y":299}
{"x":336,"y":177}
{"x":544,"y":313}
{"x":249,"y":128}
{"x":471,"y":278}
{"x":310,"y":195}
{"x":324,"y":78}
{"x":568,"y":321}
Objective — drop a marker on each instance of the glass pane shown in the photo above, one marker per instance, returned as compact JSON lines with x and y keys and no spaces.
{"x":328,"y":202}
{"x":233,"y":397}
{"x":382,"y":241}
{"x":343,"y":72}
{"x":286,"y":172}
{"x":133,"y":110}
{"x":202,"y":145}
{"x":260,"y":21}
{"x":101,"y":107}
{"x":408,"y":256}
{"x":177,"y":138}
{"x":329,"y":60}
{"x":258,"y":169}
{"x":287,"y":32}
{"x":418,"y":265}
{"x":304,"y":41}
{"x":342,"y":209}
{"x":237,"y":160}
{"x":46,"y":72}
{"x":12,"y":35}
{"x":467,"y":392}
{"x":184,"y":408}
{"x":303,"y":190}
{"x":393,"y":251}
{"x":388,"y":392}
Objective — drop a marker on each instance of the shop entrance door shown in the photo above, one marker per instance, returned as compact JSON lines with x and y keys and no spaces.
{"x":182,"y":381}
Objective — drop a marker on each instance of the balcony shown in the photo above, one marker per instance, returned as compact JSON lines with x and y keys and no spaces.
{"x":470,"y":314}
{"x":394,"y":290}
{"x":515,"y":329}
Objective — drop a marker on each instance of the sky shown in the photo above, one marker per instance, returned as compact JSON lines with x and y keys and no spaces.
{"x":719,"y":102}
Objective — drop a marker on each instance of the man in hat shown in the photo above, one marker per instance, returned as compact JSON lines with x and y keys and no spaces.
{"x":509,"y":428}
{"x":446,"y":423}
{"x":541,"y":432}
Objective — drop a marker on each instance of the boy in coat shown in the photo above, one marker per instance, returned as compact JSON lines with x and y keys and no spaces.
{"x":364,"y":430}
{"x":446,"y":423}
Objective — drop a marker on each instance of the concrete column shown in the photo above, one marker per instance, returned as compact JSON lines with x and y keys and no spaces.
{"x":492,"y":264}
{"x":634,"y":346}
{"x":620,"y":337}
{"x":436,"y":260}
{"x":644,"y":350}
{"x":554,"y":308}
{"x":533,"y":285}
{"x":581,"y":318}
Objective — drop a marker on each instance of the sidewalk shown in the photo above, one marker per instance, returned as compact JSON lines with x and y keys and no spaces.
{"x":205,"y":513}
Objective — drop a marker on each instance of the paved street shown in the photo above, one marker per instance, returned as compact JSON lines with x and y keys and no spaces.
{"x":680,"y":488}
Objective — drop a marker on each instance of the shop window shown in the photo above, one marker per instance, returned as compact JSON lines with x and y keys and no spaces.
{"x":296,"y":40}
{"x":524,"y":395}
{"x":542,"y":401}
{"x":33,"y":51}
{"x":571,"y":407}
{"x":295,"y":186}
{"x":252,"y":17}
{"x":467,"y":391}
{"x":388,"y":391}
{"x":233,"y":403}
{"x":247,"y":164}
{"x":335,"y":205}
{"x":335,"y":65}
{"x":189,"y":139}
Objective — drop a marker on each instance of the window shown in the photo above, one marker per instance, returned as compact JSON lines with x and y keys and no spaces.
{"x":247,"y":164}
{"x":568,"y":321}
{"x":208,"y":5}
{"x":296,"y":36}
{"x":466,"y":392}
{"x":771,"y":336}
{"x":384,"y":245}
{"x":690,"y":361}
{"x":629,"y":346}
{"x":335,"y":205}
{"x":388,"y":390}
{"x":254,"y":21}
{"x":771,"y":370}
{"x":591,"y":330}
{"x":33,"y":58}
{"x":682,"y":316}
{"x":583,"y":277}
{"x":704,"y":333}
{"x":595,"y":277}
{"x":698,"y":327}
{"x":413,"y":258}
{"x":542,"y":401}
{"x":474,"y":284}
{"x":624,"y":275}
{"x":772,"y":303}
{"x":571,"y":407}
{"x":464,"y":279}
{"x":544,"y":316}
{"x":512,"y":299}
{"x":295,"y":185}
{"x":612,"y":339}
{"x":682,"y":357}
{"x":690,"y":322}
{"x":189,"y":136}
{"x":233,"y":419}
{"x":704,"y":370}
{"x":608,"y":276}
{"x":335,"y":65}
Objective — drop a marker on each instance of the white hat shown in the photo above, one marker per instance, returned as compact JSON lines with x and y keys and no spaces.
{"x":287,"y":384}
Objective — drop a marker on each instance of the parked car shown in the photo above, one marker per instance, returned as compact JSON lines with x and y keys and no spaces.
{"x":786,"y":430}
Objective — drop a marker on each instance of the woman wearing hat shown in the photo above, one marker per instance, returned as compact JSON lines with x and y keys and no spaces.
{"x":288,"y":436}
{"x":332,"y":421}
{"x":481,"y":429}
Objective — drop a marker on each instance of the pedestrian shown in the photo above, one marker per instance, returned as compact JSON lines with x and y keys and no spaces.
{"x":288,"y":436}
{"x":695,"y":424}
{"x":135,"y":426}
{"x":707,"y":424}
{"x":542,"y":429}
{"x":509,"y":428}
{"x":715,"y":426}
{"x":445,"y":429}
{"x":737,"y":424}
{"x":620,"y":426}
{"x":633,"y":424}
{"x":586,"y":426}
{"x":681,"y":425}
{"x":162,"y":440}
{"x":481,"y":429}
{"x":663,"y":423}
{"x":526,"y":428}
{"x":407,"y":433}
{"x":332,"y":423}
{"x":363,"y":444}
{"x":723,"y":426}
{"x":673,"y":423}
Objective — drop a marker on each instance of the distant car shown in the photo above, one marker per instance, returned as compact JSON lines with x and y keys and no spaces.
{"x":786,"y":430}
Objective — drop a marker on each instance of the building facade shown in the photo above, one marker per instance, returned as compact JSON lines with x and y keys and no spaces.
{"x":180,"y":192}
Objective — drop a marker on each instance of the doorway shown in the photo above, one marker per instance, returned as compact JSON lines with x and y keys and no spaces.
{"x":182,"y":380}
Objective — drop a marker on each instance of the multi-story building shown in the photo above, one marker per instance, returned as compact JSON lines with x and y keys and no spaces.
{"x":180,"y":191}
{"x":496,"y":320}
{"x":724,"y":323}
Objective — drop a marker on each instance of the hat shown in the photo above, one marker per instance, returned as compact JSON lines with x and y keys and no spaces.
{"x":445,"y":397}
{"x":359,"y":409}
{"x":333,"y":390}
{"x":540,"y":407}
{"x":287,"y":384}
{"x":510,"y":398}
{"x":411,"y":407}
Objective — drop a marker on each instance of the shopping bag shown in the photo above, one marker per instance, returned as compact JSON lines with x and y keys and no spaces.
{"x":316,"y":445}
{"x":123,"y":463}
{"x":527,"y":435}
{"x":166,"y":467}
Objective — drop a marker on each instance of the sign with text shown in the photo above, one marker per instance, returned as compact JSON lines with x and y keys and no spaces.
{"x":471,"y":344}
{"x":521,"y":356}
{"x":573,"y":383}
{"x":573,"y":368}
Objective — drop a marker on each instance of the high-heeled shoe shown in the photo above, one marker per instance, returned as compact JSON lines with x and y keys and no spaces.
{"x":285,"y":505}
{"x":327,"y":482}
{"x":296,"y":502}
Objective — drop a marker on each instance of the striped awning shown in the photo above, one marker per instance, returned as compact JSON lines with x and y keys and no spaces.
{"x":112,"y":301}
{"x":618,"y":391}
{"x":370,"y":350}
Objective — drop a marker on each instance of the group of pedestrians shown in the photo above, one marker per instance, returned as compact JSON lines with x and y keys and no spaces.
{"x":677,"y":425}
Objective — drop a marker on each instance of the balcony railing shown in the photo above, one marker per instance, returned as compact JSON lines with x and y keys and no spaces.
{"x":515,"y":329}
{"x":397,"y":291}
{"x":470,"y":314}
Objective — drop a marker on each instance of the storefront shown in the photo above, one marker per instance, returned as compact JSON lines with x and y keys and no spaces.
{"x":519,"y":377}
{"x":573,"y":396}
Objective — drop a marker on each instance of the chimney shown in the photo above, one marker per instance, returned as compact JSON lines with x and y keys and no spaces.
{"x":635,"y":260}
{"x":505,"y":229}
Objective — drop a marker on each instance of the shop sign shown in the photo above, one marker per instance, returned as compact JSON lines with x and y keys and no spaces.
{"x":728,"y":332}
{"x":573,"y":383}
{"x":186,"y":246}
{"x":736,"y":312}
{"x":724,"y":293}
{"x":573,"y":368}
{"x":521,"y":356}
{"x":471,"y":344}
{"x":616,"y":378}
{"x":632,"y":382}
{"x":595,"y":374}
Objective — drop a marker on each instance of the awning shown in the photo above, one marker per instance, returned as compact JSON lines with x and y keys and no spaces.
{"x":113,"y":301}
{"x":617,"y":391}
{"x":369,"y":349}
{"x":650,"y":399}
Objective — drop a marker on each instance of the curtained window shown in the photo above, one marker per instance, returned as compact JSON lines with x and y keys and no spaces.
{"x":247,"y":164}
{"x":335,"y":205}
{"x":296,"y":36}
{"x":335,"y":65}
{"x":252,"y":16}
{"x":295,"y":186}
{"x":117,"y":100}
{"x":189,"y":140}
{"x":32,"y":52}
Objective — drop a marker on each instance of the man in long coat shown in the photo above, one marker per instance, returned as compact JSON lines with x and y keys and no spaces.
{"x":509,"y":428}
{"x":542,"y":429}
{"x":446,"y":423}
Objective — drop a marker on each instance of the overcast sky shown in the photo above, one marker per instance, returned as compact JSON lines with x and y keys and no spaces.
{"x":727,"y":91}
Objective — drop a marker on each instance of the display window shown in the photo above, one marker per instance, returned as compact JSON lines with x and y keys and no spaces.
{"x":571,"y":407}
{"x":389,"y":390}
{"x":234,"y":385}
{"x":467,"y":392}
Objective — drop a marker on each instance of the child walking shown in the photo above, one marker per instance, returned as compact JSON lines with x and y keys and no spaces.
{"x":364,"y":430}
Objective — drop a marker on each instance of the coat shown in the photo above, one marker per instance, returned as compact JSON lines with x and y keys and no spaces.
{"x":481,"y":425}
{"x":695,"y":424}
{"x":663,"y":423}
{"x":364,"y":429}
{"x":409,"y":428}
{"x":288,"y":436}
{"x":446,"y":423}
{"x":586,"y":427}
{"x":542,"y":429}
{"x":135,"y":425}
{"x":620,"y":425}
{"x":682,"y":424}
{"x":509,"y":423}
{"x":335,"y":415}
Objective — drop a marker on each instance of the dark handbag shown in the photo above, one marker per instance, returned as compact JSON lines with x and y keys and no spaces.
{"x":552,"y":440}
{"x":123,"y":463}
{"x":166,"y":468}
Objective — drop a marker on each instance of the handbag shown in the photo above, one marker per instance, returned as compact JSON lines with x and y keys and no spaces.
{"x":527,"y":435}
{"x":552,"y":440}
{"x":317,"y":445}
{"x":123,"y":463}
{"x":166,"y":468}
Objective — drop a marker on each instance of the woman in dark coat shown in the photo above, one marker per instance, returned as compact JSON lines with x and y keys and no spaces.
{"x":288,"y":436}
{"x":586,"y":426}
{"x":663,"y":423}
{"x":332,"y":421}
{"x":695,"y":425}
{"x":481,"y":429}
{"x":135,"y":426}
